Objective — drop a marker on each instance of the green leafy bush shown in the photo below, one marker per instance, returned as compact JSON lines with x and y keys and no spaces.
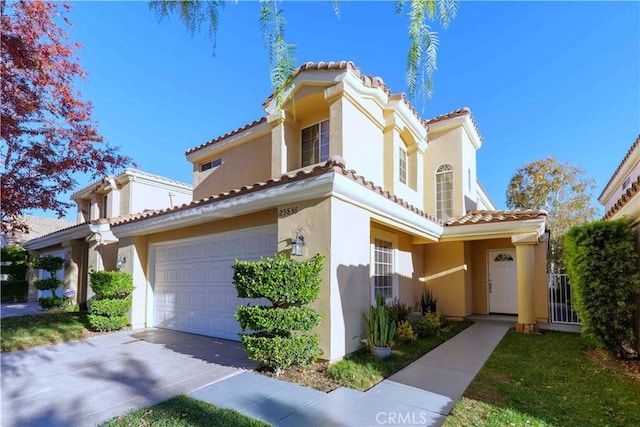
{"x":602,"y":263}
{"x":281,"y":280}
{"x":381,"y":327}
{"x":428,"y":325}
{"x":399,"y":311}
{"x":405,"y":332}
{"x":48,"y":284}
{"x":110,"y":307}
{"x":49,"y":263}
{"x":274,"y":341}
{"x":14,"y":290}
{"x":111,"y":284}
{"x":107,"y":323}
{"x":16,"y":259}
{"x":280,"y":321}
{"x":49,"y":303}
{"x":112,"y":300}
{"x":279,"y":352}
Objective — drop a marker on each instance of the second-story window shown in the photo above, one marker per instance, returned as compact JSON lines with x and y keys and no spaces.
{"x":315,"y":143}
{"x":402,"y":165}
{"x":444,"y":192}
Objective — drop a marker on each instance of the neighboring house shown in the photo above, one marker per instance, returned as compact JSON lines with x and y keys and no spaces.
{"x":621,"y":195}
{"x":351,"y":168}
{"x":38,"y":226}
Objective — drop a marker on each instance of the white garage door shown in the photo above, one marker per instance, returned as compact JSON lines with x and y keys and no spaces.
{"x":193,"y":288}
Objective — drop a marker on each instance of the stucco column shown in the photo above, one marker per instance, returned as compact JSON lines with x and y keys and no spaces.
{"x":72,"y":264}
{"x":525,"y":264}
{"x":278,"y":143}
{"x":133,"y":250}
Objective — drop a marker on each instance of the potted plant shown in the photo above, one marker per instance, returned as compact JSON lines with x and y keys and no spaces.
{"x":428,"y":302}
{"x":381,"y":328}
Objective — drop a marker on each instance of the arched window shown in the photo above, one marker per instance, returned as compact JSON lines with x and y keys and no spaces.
{"x":444,"y":192}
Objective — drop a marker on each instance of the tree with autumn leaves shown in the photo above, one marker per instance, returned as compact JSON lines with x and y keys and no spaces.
{"x":47,"y":131}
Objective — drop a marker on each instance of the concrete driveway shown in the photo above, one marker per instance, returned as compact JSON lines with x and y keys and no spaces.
{"x":84,"y":383}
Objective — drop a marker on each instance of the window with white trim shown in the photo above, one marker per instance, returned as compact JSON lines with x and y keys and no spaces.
{"x":444,"y":192}
{"x":402,"y":165}
{"x":315,"y":143}
{"x":383,"y":268}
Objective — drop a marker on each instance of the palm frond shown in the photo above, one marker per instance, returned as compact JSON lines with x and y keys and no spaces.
{"x":336,"y":9}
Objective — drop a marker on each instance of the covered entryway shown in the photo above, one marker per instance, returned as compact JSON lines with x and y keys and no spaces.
{"x":192,"y":280}
{"x":503,"y":290}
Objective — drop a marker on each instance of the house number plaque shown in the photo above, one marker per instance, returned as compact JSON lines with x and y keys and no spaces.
{"x":283,"y":212}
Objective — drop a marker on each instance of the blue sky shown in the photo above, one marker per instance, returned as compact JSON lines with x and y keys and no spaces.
{"x":541,"y":79}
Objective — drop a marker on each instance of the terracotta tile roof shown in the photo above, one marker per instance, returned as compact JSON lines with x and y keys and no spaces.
{"x":227,"y":135}
{"x":457,"y":113}
{"x":335,"y":164}
{"x":631,"y":192}
{"x":485,"y":217}
{"x":626,"y":157}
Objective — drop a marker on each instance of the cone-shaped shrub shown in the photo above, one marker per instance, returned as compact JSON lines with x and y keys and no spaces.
{"x":272,"y":334}
{"x":51,"y":265}
{"x":112,"y":301}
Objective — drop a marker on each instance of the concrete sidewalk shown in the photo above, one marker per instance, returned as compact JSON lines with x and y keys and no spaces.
{"x":422,"y":394}
{"x":11,"y":309}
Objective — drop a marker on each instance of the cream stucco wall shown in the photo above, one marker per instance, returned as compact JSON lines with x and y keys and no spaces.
{"x":453,"y":290}
{"x":243,"y":164}
{"x":445,"y":148}
{"x":479,"y":271}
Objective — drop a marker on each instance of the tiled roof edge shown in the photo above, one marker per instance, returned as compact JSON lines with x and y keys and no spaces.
{"x":457,"y":113}
{"x":633,"y":189}
{"x":487,"y":216}
{"x":226,"y":135}
{"x":624,"y":159}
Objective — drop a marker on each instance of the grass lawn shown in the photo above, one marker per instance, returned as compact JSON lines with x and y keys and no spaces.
{"x":184,"y":411}
{"x":548,"y":380}
{"x":362,"y":370}
{"x":23,"y":332}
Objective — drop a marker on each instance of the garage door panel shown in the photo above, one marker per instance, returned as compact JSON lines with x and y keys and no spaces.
{"x":193,"y":281}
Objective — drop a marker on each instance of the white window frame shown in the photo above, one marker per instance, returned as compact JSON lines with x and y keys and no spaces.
{"x":403,"y":163}
{"x":441,"y":171}
{"x":318,"y":156}
{"x":391,"y":239}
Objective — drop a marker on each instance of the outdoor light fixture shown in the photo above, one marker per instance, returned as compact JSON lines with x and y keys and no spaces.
{"x":296,"y":245}
{"x":122,"y":260}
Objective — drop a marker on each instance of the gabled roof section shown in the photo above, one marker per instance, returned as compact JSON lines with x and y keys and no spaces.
{"x":486,"y":217}
{"x":465,"y":111}
{"x":133,"y":173}
{"x":226,"y":135}
{"x":627,"y":156}
{"x":624,"y":199}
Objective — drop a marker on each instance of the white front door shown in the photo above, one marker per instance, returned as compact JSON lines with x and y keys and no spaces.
{"x":503,"y":289}
{"x":192,"y":280}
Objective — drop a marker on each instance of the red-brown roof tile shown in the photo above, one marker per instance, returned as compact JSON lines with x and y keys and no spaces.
{"x":227,"y":135}
{"x":485,"y":217}
{"x":631,"y":192}
{"x":626,"y":157}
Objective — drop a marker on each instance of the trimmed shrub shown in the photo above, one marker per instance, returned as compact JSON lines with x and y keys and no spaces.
{"x":51,"y":265}
{"x":107,"y":323}
{"x":405,"y":333}
{"x":111,"y":284}
{"x":602,"y":264}
{"x":280,"y":321}
{"x":16,"y":257}
{"x":49,"y":303}
{"x":279,"y":352}
{"x":110,"y":307}
{"x":428,"y":325}
{"x":112,"y":301}
{"x":273,"y":339}
{"x":14,"y":290}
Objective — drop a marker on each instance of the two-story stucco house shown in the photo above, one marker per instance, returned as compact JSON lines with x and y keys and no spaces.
{"x":388,"y":197}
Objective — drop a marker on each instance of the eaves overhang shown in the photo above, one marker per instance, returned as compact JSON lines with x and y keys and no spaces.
{"x":80,"y":231}
{"x":495,"y":230}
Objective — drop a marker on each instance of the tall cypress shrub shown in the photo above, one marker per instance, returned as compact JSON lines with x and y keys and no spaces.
{"x":602,"y":264}
{"x":274,"y":336}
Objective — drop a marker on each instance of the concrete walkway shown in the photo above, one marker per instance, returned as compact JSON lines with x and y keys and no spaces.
{"x":87,"y":382}
{"x":11,"y":309}
{"x":422,"y":394}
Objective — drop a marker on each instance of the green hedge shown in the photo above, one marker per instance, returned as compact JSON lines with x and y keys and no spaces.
{"x":110,"y":307}
{"x":277,"y":320}
{"x":106,"y":323}
{"x":14,"y":290}
{"x":602,"y":263}
{"x":17,"y":270}
{"x":282,"y":352}
{"x":282,"y":281}
{"x":49,"y":263}
{"x":48,"y":284}
{"x":111,"y":284}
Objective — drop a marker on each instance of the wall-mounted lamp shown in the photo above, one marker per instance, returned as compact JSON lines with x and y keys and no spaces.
{"x":122,"y":260}
{"x":297,"y":244}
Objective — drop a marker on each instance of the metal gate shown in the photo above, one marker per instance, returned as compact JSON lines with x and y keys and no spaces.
{"x":560,"y":303}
